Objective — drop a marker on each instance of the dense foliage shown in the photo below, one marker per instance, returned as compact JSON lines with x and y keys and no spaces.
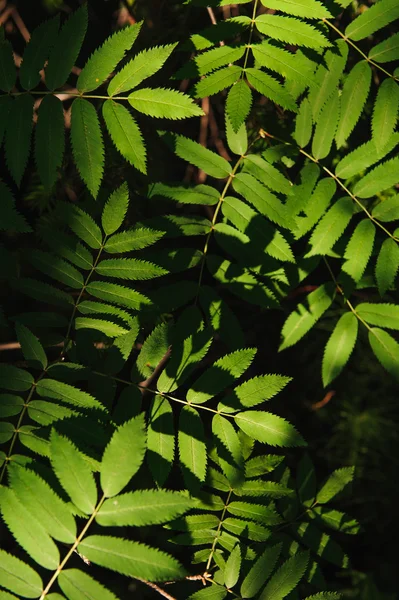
{"x":136,"y":397}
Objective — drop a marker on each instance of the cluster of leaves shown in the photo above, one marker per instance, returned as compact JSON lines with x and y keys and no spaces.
{"x":120,"y":387}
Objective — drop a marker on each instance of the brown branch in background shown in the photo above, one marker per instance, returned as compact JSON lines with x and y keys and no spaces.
{"x":10,"y":346}
{"x":21,"y":25}
{"x":215,"y":136}
{"x":203,"y":135}
{"x":211,"y":15}
{"x":157,"y":371}
{"x":323,"y":402}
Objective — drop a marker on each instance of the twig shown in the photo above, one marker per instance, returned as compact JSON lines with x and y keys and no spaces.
{"x":324,"y":401}
{"x":157,"y":371}
{"x":156,"y":587}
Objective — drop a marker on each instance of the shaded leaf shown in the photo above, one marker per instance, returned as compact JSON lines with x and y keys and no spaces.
{"x":18,"y":136}
{"x":339,"y":347}
{"x":49,"y":139}
{"x":37,"y":51}
{"x":268,"y":429}
{"x":386,"y":349}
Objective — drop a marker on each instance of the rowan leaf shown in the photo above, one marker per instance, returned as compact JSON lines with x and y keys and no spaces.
{"x":18,"y":136}
{"x":125,"y":134}
{"x":339,"y":347}
{"x":268,"y":429}
{"x":353,"y":98}
{"x":160,"y":439}
{"x":164,"y":103}
{"x":192,"y":449}
{"x":387,"y":265}
{"x":49,"y":139}
{"x":115,"y":209}
{"x":37,"y":51}
{"x":290,"y":30}
{"x":374,"y":18}
{"x":386,"y":349}
{"x":238,"y":103}
{"x":260,"y":572}
{"x":385,"y":113}
{"x":359,"y":249}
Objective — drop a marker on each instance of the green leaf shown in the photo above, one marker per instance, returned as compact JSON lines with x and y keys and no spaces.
{"x":56,"y":268}
{"x":387,"y":265}
{"x":160,"y":439}
{"x":268,"y":429}
{"x":66,"y":48}
{"x":5,"y":107}
{"x":153,"y":349}
{"x":82,"y":224}
{"x":382,"y":315}
{"x":143,"y":507}
{"x":14,"y":378}
{"x":218,"y":81}
{"x":10,"y":405}
{"x":374,"y":18}
{"x":267,"y":174}
{"x":303,"y":124}
{"x":115,"y":209}
{"x":331,"y":227}
{"x":309,"y":9}
{"x":335,"y":483}
{"x":123,"y":456}
{"x":37,"y":51}
{"x":261,"y":465}
{"x":7,"y":431}
{"x":232,"y":569}
{"x":326,"y":127}
{"x":87,"y":143}
{"x":109,"y":328}
{"x":260,"y":572}
{"x":16,"y":517}
{"x":131,"y":558}
{"x":292,"y":31}
{"x":135,"y":239}
{"x":146,"y":63}
{"x":291,"y":66}
{"x":8,"y":71}
{"x":386,"y":349}
{"x":385,"y":113}
{"x":221,"y":374}
{"x":76,"y":584}
{"x":68,"y":247}
{"x":126,"y":134}
{"x":359,"y":249}
{"x":286,"y":578}
{"x":237,"y":141}
{"x":118,"y":294}
{"x":335,"y":519}
{"x":218,"y":57}
{"x":387,"y":50}
{"x":18,"y":136}
{"x":212,"y":592}
{"x":353,"y":98}
{"x":229,"y":449}
{"x":11,"y":220}
{"x":129,"y":268}
{"x":18,"y":577}
{"x":46,"y":413}
{"x":327,"y":76}
{"x":255,"y":391}
{"x":32,"y":349}
{"x":164,"y":103}
{"x":256,"y":512}
{"x":49,"y":139}
{"x":195,"y":154}
{"x":363,"y":157}
{"x":105,"y":58}
{"x":51,"y":512}
{"x":192,"y":448}
{"x":339,"y":347}
{"x":304,"y":317}
{"x":387,"y":210}
{"x":247,"y":529}
{"x":42,"y":291}
{"x":199,"y":194}
{"x":238,"y":103}
{"x":324,"y":596}
{"x":58,"y":390}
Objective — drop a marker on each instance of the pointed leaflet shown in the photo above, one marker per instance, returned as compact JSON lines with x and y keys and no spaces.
{"x":109,"y":328}
{"x":232,"y":568}
{"x":192,"y":448}
{"x":82,"y":224}
{"x":385,"y":113}
{"x":221,"y":374}
{"x":51,"y":512}
{"x":199,"y":194}
{"x":261,"y":513}
{"x":131,"y":558}
{"x":217,"y":57}
{"x":31,"y":348}
{"x":293,"y":31}
{"x":260,"y":572}
{"x":363,"y":157}
{"x":115,"y":209}
{"x":76,"y":584}
{"x":218,"y":81}
{"x":229,"y":449}
{"x":37,"y":51}
{"x":14,"y":378}
{"x":11,"y":219}
{"x":153,"y":349}
{"x":326,"y":126}
{"x":386,"y":349}
{"x":377,"y":16}
{"x":8,"y":71}
{"x":291,"y":66}
{"x":27,"y":531}
{"x":267,"y":174}
{"x":212,"y":592}
{"x":118,"y":294}
{"x":123,"y":456}
{"x":135,"y":239}
{"x":387,"y":265}
{"x":306,"y":316}
{"x":270,"y":87}
{"x":310,"y":9}
{"x":387,"y":210}
{"x":237,"y":141}
{"x":160,"y":439}
{"x":18,"y":577}
{"x":73,"y":472}
{"x":49,"y":139}
{"x":359,"y":249}
{"x":66,"y":48}
{"x":143,"y":65}
{"x":56,"y":268}
{"x":268,"y":429}
{"x":143,"y":507}
{"x":104,"y":60}
{"x":331,"y":227}
{"x":353,"y":98}
{"x":255,"y":391}
{"x":18,"y":136}
{"x":387,"y":50}
{"x":316,"y":205}
{"x":129,"y":268}
{"x":195,"y":154}
{"x":164,"y":103}
{"x":339,"y":347}
{"x":87,"y":143}
{"x":325,"y":596}
{"x":5,"y":107}
{"x":286,"y":578}
{"x":238,"y":103}
{"x":303,"y":124}
{"x":126,"y":134}
{"x":382,"y":315}
{"x":67,"y":246}
{"x":42,"y":292}
{"x":335,"y":483}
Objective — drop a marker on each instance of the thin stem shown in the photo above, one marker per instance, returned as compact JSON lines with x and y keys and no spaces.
{"x":215,"y":541}
{"x":369,"y":60}
{"x":76,"y":94}
{"x":72,"y":549}
{"x":251,"y":33}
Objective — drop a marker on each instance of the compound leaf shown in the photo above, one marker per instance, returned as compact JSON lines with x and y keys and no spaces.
{"x":260,"y":572}
{"x":372,"y":19}
{"x":286,"y":578}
